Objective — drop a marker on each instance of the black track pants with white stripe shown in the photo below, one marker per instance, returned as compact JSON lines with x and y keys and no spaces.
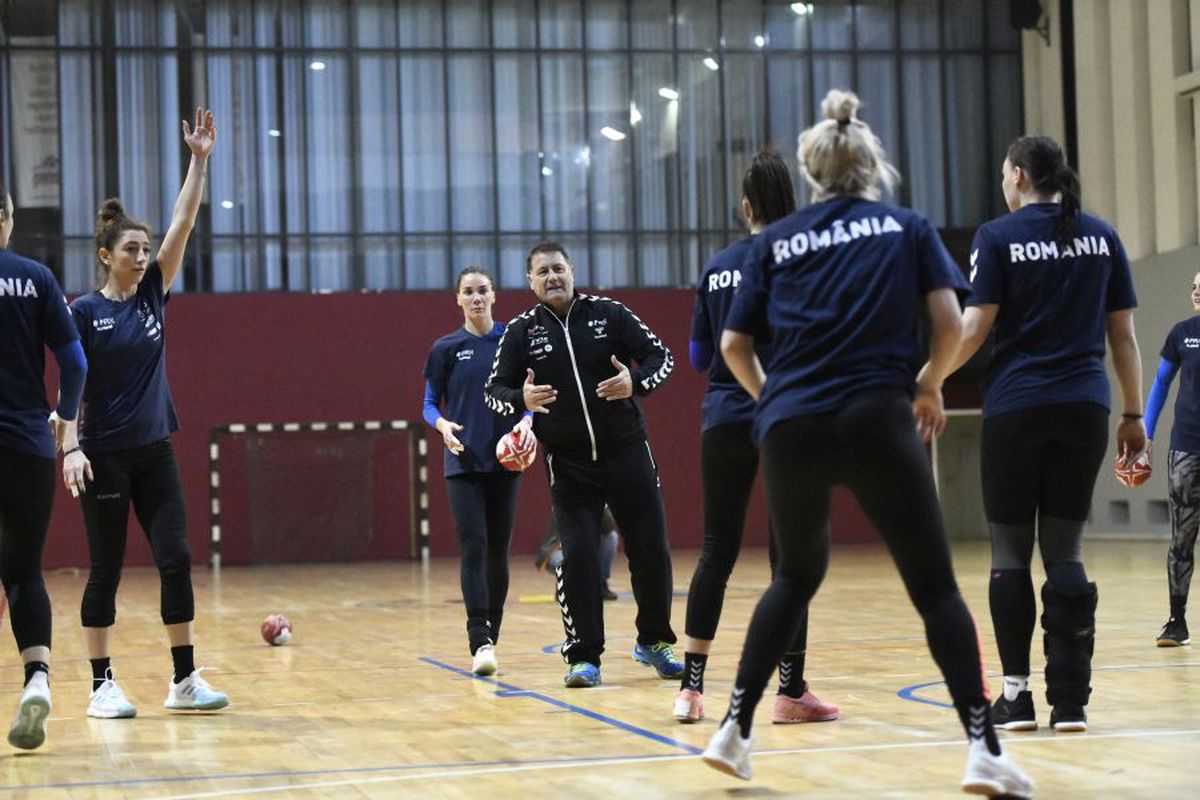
{"x":628,"y":482}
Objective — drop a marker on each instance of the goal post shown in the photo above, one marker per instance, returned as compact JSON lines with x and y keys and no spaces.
{"x":334,"y":465}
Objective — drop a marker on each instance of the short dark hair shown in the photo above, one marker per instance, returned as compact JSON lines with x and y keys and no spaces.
{"x":473,"y":270}
{"x":546,"y":246}
{"x":767,"y":186}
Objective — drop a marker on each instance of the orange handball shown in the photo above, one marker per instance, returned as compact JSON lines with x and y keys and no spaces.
{"x":276,"y":629}
{"x":1135,"y":473}
{"x":511,"y":455}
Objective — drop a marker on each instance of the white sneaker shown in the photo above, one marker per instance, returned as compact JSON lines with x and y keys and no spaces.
{"x":993,"y":776}
{"x":109,"y":702}
{"x":484,"y":662}
{"x":28,"y":730}
{"x":194,"y":693}
{"x":728,"y":752}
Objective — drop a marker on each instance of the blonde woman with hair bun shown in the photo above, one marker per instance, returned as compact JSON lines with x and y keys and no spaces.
{"x":841,"y":287}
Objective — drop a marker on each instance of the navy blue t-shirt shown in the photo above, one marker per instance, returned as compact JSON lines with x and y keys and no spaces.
{"x":725,"y":401}
{"x":1182,"y":348}
{"x":841,"y":286}
{"x":33,"y":316}
{"x":457,"y":368}
{"x":1053,"y":298}
{"x":127,"y":402}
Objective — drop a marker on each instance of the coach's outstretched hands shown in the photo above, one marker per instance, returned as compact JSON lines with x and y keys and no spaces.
{"x":619,"y":386}
{"x":537,"y":395}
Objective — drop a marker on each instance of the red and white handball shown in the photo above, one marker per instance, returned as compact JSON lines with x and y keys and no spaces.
{"x":517,"y":449}
{"x":276,"y":629}
{"x":1136,"y":472}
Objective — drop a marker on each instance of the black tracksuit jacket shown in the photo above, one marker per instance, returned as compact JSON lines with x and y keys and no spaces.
{"x":572,"y":355}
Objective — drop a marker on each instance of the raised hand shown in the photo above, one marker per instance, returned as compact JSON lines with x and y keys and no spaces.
{"x":619,"y":386}
{"x":203,"y":138}
{"x":537,"y":396}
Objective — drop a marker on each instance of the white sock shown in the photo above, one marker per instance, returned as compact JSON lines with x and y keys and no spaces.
{"x":1015,"y":684}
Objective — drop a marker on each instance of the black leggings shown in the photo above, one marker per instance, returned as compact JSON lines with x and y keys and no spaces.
{"x":870,"y":446}
{"x":1039,"y":468}
{"x":483,"y":505}
{"x":148,"y":477}
{"x":728,"y":464}
{"x":26,"y":496}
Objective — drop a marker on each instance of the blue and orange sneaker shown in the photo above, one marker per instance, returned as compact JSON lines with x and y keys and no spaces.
{"x":581,"y":675}
{"x":660,"y":656}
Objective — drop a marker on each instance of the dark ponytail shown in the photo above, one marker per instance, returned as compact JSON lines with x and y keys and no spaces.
{"x":111,"y":222}
{"x":767,"y":186}
{"x":1042,"y":159}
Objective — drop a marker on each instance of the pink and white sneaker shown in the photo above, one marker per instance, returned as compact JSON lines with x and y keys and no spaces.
{"x":808,"y":708}
{"x":689,"y":706}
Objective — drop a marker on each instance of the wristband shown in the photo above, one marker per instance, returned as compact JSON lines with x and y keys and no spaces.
{"x":1131,"y":416}
{"x":74,"y":449}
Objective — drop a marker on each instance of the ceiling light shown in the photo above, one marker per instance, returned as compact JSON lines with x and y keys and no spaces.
{"x":635,"y":116}
{"x":226,"y":204}
{"x":712,"y":64}
{"x":274,"y":132}
{"x":667,"y":93}
{"x":802,"y":9}
{"x":612,"y":133}
{"x":760,"y":41}
{"x":317,"y":66}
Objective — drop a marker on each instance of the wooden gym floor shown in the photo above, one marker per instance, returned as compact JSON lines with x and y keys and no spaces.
{"x":371,"y":699}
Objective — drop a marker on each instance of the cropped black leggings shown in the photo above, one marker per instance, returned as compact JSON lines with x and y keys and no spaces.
{"x":483,"y":505}
{"x":26,"y":495}
{"x":728,"y":465}
{"x":148,"y":478}
{"x":870,"y":445}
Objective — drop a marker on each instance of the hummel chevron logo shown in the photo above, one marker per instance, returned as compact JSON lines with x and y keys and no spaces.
{"x":974,"y":258}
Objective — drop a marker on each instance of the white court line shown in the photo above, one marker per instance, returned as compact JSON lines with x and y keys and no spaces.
{"x":468,"y":772}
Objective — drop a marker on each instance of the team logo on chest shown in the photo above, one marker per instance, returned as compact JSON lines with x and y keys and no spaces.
{"x":465,"y":355}
{"x":599,"y":328}
{"x":105,"y":324}
{"x":150,"y":322}
{"x":1191,"y":342}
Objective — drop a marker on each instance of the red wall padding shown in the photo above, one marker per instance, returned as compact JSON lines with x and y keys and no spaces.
{"x":301,"y":358}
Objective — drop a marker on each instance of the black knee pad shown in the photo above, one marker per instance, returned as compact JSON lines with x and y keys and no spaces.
{"x":1069,"y":621}
{"x":1069,"y":578}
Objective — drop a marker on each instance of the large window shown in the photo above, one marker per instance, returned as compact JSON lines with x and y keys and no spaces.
{"x":378,"y":144}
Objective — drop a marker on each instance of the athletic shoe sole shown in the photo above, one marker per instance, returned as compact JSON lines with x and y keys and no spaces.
{"x":1172,"y":642}
{"x":721,"y":765}
{"x":1018,"y":725}
{"x":123,"y":714}
{"x":211,"y":706}
{"x":28,"y":730}
{"x":666,"y":676}
{"x":1070,"y":726}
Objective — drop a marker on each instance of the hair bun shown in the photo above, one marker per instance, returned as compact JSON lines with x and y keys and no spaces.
{"x":110,"y":210}
{"x":841,"y":105}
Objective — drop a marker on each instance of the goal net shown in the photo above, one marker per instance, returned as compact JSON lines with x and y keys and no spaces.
{"x":317,"y":491}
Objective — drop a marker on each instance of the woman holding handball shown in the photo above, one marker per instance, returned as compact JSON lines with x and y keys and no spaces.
{"x":1053,"y":283}
{"x":841,"y":286}
{"x":482,"y":491}
{"x":124,"y":439}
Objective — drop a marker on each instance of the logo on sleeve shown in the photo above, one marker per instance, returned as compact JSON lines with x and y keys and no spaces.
{"x":974,"y":266}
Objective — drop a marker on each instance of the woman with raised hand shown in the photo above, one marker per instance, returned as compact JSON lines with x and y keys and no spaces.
{"x":841,"y":286}
{"x":33,"y":317}
{"x":124,"y":439}
{"x":482,"y":492}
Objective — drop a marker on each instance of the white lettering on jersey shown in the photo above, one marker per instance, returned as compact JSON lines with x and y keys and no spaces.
{"x":106,"y":324}
{"x":724,"y":279}
{"x":1191,"y":342}
{"x":838,"y":233}
{"x":464,"y":355}
{"x":1046,"y":251}
{"x":15,"y":287}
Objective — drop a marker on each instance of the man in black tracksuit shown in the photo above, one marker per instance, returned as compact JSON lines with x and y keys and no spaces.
{"x":568,"y":360}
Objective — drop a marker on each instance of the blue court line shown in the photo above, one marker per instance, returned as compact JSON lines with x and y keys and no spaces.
{"x":910,"y":693}
{"x":508,"y":690}
{"x":306,"y":773}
